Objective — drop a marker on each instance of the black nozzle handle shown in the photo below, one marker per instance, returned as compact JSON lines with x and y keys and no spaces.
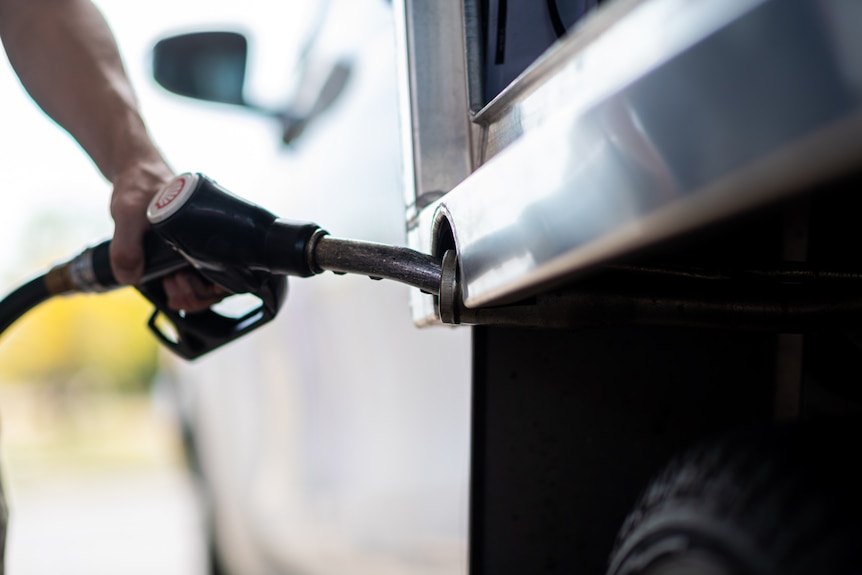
{"x":228,"y":239}
{"x":191,"y":335}
{"x":290,"y":247}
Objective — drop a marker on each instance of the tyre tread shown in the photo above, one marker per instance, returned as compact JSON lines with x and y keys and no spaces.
{"x":776,"y":488}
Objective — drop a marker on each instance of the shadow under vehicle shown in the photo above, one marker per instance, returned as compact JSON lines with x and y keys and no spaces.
{"x":647,"y":212}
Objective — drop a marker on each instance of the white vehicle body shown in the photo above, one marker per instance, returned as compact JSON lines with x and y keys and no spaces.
{"x":335,"y":439}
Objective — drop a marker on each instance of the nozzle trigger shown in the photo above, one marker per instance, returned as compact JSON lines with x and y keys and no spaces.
{"x":191,"y":335}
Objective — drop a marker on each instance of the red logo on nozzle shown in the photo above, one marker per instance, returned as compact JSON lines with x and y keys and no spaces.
{"x":170,"y":193}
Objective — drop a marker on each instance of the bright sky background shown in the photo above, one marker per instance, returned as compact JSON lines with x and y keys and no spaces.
{"x":57,"y":202}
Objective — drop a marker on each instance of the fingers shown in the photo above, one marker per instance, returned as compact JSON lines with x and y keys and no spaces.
{"x":127,"y":252}
{"x":189,"y":292}
{"x":133,"y":190}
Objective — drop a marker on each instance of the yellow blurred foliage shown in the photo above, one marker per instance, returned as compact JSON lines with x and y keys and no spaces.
{"x":103,"y":336}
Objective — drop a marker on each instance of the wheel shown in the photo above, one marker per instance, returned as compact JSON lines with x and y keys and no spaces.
{"x":766,"y":502}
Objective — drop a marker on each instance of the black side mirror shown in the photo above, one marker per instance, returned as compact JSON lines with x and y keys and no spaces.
{"x":211,"y":66}
{"x":204,"y":65}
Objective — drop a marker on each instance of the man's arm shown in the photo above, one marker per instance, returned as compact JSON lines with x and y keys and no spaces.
{"x":67,"y":59}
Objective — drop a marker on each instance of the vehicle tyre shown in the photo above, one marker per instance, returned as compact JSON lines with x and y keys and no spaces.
{"x":761,"y":502}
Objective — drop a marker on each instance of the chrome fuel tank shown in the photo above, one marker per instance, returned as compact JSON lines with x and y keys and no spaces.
{"x":646,"y":120}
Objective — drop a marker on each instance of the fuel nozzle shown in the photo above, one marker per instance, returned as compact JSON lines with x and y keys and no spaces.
{"x":196,"y":224}
{"x":247,"y":249}
{"x":228,"y":239}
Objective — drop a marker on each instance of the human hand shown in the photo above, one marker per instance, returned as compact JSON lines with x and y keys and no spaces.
{"x":191,"y":292}
{"x":133,"y":190}
{"x":134,"y":187}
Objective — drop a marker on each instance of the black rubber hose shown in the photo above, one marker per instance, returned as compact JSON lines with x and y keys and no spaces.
{"x":22,"y":300}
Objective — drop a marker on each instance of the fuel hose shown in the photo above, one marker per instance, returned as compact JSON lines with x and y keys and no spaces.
{"x":22,"y":300}
{"x":89,"y":271}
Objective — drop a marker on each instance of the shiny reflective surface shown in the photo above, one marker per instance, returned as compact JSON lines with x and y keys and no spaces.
{"x":436,"y":133}
{"x":608,"y":49}
{"x":378,"y":261}
{"x":651,"y":119}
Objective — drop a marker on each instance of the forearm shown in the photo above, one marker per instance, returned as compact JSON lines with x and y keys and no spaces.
{"x":67,"y":59}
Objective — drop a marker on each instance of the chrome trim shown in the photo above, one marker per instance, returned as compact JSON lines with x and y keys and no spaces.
{"x":677,"y":114}
{"x":606,"y":50}
{"x":82,"y":273}
{"x":436,"y":131}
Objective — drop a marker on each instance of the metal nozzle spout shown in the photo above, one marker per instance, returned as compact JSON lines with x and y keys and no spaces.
{"x":379,"y":261}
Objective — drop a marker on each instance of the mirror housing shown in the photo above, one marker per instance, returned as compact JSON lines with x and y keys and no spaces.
{"x":211,"y":66}
{"x":203,"y":65}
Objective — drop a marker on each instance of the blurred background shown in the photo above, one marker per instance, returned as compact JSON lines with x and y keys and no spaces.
{"x":336,"y":436}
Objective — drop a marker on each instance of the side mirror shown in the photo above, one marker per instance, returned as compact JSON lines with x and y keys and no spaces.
{"x":204,"y":65}
{"x":211,"y":66}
